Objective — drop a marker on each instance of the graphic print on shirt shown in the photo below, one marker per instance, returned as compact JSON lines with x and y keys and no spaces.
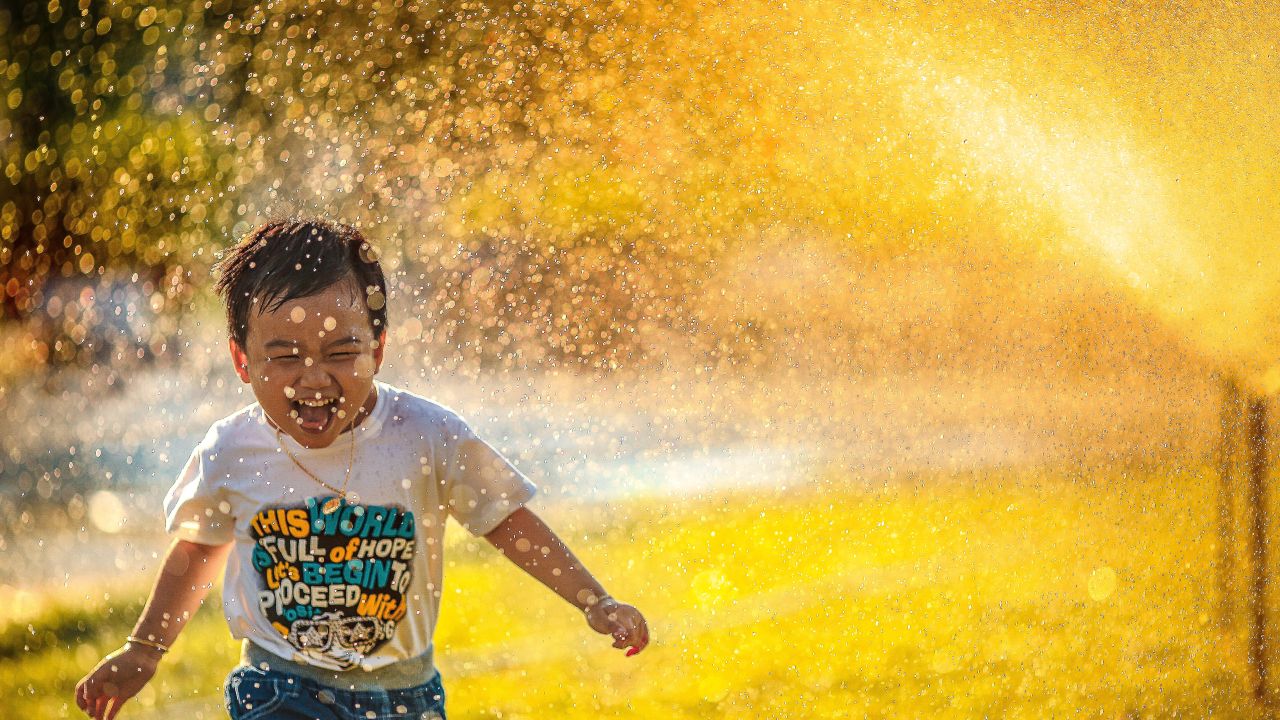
{"x":334,"y":585}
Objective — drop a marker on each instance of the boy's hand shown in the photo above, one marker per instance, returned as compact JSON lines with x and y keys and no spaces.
{"x":622,"y":621}
{"x":530,"y":544}
{"x":117,"y":678}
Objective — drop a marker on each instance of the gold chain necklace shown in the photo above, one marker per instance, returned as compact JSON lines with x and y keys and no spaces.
{"x":332,"y":504}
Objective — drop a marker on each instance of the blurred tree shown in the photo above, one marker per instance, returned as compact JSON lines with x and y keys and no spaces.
{"x":140,"y":135}
{"x":103,"y":164}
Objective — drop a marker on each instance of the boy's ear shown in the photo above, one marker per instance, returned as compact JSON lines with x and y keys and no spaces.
{"x":377,"y":351}
{"x":240,"y":359}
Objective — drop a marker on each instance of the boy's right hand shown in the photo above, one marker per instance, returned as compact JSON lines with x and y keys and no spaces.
{"x":117,"y":678}
{"x":622,"y":621}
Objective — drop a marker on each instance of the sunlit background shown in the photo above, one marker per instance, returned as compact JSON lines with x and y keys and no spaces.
{"x":874,"y":350}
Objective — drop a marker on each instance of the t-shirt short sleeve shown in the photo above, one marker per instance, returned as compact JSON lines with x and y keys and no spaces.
{"x":481,"y":487}
{"x":194,"y":507}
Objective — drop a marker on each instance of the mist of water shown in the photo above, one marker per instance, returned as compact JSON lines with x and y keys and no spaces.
{"x":851,"y":226}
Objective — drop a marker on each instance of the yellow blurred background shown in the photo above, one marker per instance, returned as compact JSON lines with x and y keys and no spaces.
{"x":975,"y":270}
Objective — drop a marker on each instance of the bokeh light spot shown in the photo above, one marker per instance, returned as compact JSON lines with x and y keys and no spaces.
{"x":1102,"y":583}
{"x":106,"y":511}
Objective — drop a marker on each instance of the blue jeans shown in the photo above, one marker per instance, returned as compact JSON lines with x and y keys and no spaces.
{"x":256,"y":694}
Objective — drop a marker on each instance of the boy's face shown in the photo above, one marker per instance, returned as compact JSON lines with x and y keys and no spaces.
{"x":311,"y":363}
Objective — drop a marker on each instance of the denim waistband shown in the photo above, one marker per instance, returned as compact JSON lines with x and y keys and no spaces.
{"x":398,"y":675}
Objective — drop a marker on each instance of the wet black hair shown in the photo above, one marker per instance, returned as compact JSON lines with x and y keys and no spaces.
{"x":295,"y":258}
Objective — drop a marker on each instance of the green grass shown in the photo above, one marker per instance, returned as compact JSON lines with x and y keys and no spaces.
{"x":999,"y":596}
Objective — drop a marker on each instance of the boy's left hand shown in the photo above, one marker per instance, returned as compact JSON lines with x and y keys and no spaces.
{"x":622,"y":621}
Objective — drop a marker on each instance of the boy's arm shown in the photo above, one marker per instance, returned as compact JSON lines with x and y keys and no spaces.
{"x":531,"y":545}
{"x":184,"y":580}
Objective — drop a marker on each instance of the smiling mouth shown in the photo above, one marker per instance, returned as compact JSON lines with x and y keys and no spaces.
{"x":314,"y":415}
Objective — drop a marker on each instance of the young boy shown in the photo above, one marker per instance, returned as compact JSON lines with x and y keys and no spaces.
{"x":327,"y":500}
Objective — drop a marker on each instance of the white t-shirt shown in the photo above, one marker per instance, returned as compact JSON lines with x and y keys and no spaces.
{"x":358,"y":587}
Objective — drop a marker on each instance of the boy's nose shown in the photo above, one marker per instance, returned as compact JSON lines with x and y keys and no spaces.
{"x":314,"y":377}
